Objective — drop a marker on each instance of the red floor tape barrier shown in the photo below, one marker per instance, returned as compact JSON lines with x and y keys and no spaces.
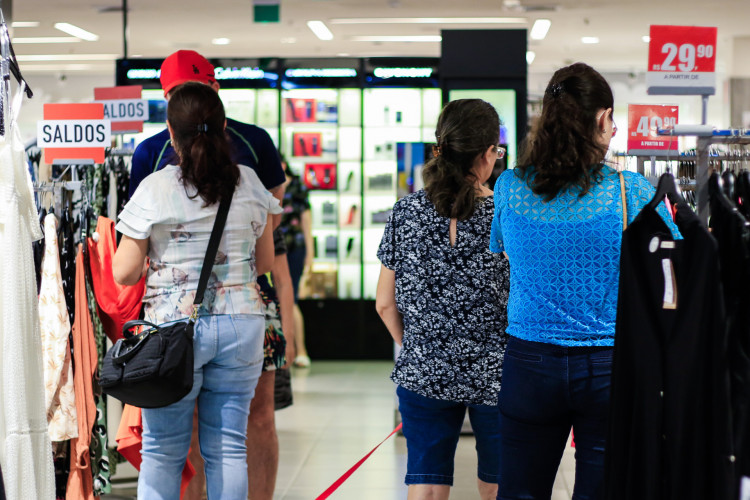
{"x":354,"y":467}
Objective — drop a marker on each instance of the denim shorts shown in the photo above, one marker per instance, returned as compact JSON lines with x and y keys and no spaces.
{"x":432,"y":428}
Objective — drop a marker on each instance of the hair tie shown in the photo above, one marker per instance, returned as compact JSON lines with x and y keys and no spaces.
{"x":203,"y":128}
{"x":555,"y":90}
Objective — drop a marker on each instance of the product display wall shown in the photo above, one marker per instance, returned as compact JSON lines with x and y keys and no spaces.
{"x":357,"y":132}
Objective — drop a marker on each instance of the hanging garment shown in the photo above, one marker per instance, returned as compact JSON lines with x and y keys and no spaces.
{"x":2,"y":485}
{"x":130,"y":440}
{"x":117,"y":303}
{"x":732,"y":233}
{"x":100,"y":467}
{"x":25,"y":451}
{"x":62,"y":468}
{"x":80,"y":481}
{"x":38,"y":249}
{"x":670,"y":430}
{"x":55,"y":331}
{"x":66,"y":242}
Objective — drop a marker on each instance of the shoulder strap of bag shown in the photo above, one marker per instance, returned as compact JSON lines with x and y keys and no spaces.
{"x":213,"y":248}
{"x":624,"y":200}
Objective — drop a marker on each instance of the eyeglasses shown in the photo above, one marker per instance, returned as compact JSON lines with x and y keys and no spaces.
{"x":500,"y":152}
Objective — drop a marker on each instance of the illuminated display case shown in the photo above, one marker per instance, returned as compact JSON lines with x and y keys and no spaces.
{"x":402,"y":101}
{"x":321,"y":138}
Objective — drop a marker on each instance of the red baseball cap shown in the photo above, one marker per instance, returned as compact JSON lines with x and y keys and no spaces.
{"x":185,"y":66}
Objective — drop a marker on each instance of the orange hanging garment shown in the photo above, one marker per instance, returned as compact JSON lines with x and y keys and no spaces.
{"x":117,"y":303}
{"x":85,"y":361}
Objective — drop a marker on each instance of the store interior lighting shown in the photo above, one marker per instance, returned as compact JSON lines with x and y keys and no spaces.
{"x":24,"y":24}
{"x":590,"y":40}
{"x":404,"y":38}
{"x":67,"y":57}
{"x":430,"y":20}
{"x":77,"y":32}
{"x":530,"y":56}
{"x":45,"y":39}
{"x":320,"y":30}
{"x":221,"y":41}
{"x":540,"y":28}
{"x":646,"y":38}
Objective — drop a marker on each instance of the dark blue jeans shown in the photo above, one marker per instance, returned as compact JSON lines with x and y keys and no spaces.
{"x":432,"y":428}
{"x":547,"y":389}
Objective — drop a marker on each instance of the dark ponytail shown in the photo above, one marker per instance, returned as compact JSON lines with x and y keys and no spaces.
{"x":465,"y":129}
{"x":561,"y":151}
{"x":196,"y":116}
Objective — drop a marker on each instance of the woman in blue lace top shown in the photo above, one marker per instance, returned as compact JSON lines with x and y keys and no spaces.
{"x":559,"y":219}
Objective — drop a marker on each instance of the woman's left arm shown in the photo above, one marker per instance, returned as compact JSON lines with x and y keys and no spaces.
{"x":129,"y":263}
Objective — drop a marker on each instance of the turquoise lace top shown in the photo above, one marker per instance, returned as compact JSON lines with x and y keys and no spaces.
{"x":565,"y":256}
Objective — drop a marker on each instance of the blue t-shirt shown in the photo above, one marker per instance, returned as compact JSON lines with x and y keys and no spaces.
{"x":251,"y":146}
{"x":565,"y":256}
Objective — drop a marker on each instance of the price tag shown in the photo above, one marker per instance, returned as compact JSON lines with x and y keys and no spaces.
{"x":681,"y":60}
{"x":643,"y":122}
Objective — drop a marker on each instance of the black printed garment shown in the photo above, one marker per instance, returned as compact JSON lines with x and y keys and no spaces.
{"x":453,"y":300}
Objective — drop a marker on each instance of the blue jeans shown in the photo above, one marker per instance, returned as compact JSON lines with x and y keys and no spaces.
{"x":228,"y":360}
{"x":432,"y":427}
{"x":547,"y":389}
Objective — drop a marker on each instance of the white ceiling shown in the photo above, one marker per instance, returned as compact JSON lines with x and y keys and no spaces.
{"x":159,"y":27}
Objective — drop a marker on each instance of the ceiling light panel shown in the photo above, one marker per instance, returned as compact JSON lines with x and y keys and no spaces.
{"x":76,"y":31}
{"x":67,"y":57}
{"x":320,"y":29}
{"x":45,"y":39}
{"x":415,"y":38}
{"x":540,"y":28}
{"x":530,"y":56}
{"x":430,"y":20}
{"x":24,"y":24}
{"x":221,"y":41}
{"x":590,"y":40}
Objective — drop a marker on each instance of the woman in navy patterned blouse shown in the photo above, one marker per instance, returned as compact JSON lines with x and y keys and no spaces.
{"x":442,"y":295}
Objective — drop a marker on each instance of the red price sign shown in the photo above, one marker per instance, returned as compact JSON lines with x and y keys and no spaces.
{"x":681,"y":60}
{"x":643,"y":122}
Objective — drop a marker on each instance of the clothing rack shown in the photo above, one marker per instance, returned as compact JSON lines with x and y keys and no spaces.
{"x":706,"y":139}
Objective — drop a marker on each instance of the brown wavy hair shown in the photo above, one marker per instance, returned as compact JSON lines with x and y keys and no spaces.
{"x":465,"y":129}
{"x":196,"y":116}
{"x":561,"y":152}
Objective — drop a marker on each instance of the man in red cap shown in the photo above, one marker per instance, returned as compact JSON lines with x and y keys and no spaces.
{"x":252,"y":147}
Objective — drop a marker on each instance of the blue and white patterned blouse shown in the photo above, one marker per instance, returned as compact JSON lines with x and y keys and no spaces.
{"x":453,"y":301}
{"x":565,"y":256}
{"x":178,"y":229}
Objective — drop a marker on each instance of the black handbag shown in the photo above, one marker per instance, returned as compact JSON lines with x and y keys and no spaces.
{"x":154,"y":368}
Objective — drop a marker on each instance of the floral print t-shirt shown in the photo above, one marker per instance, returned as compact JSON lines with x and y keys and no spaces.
{"x":178,"y":229}
{"x":453,"y":300}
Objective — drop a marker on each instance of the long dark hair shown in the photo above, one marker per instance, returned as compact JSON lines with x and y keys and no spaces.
{"x":465,"y":129}
{"x":196,"y":116}
{"x":561,"y":151}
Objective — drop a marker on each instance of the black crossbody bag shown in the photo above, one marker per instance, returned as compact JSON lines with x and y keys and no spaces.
{"x":154,"y":368}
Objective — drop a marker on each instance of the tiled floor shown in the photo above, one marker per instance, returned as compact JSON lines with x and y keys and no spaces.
{"x":341,"y":411}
